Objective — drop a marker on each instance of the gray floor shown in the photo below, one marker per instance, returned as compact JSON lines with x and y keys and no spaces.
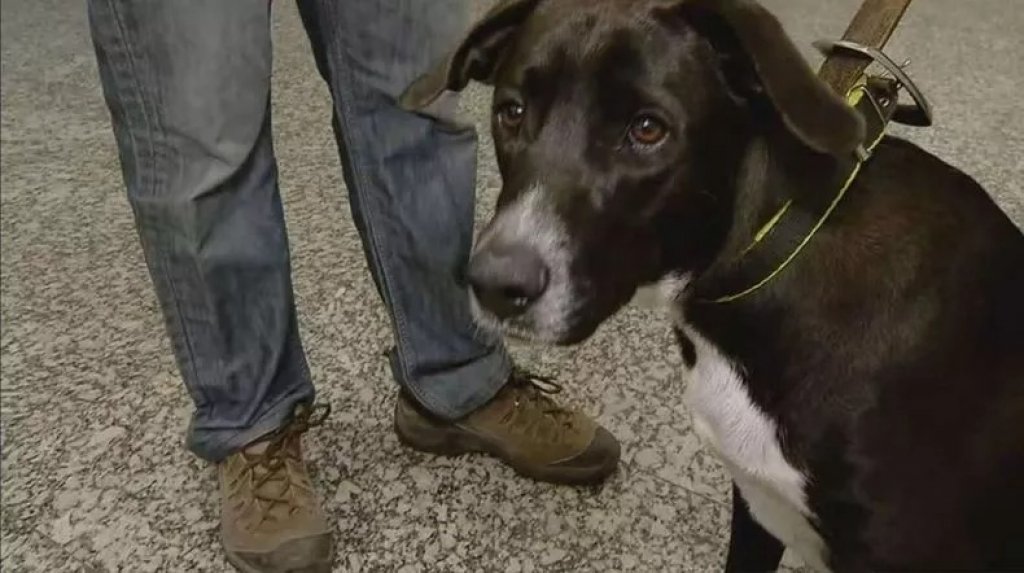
{"x":94,"y":474}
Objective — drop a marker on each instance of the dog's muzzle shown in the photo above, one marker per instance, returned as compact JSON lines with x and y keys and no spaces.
{"x":507,"y":279}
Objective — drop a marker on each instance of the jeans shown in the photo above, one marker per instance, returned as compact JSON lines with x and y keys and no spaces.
{"x":188,"y":87}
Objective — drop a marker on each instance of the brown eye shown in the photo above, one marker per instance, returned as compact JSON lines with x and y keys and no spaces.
{"x":646,"y":131}
{"x":510,"y":115}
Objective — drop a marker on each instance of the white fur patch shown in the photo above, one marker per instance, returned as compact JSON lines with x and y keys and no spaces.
{"x":647,"y":297}
{"x":661,"y":294}
{"x":746,"y":440}
{"x":531,"y":220}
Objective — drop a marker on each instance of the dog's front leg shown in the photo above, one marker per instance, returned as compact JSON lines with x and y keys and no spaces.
{"x":751,"y":548}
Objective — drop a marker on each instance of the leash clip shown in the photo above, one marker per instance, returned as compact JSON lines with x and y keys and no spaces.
{"x":920,"y":112}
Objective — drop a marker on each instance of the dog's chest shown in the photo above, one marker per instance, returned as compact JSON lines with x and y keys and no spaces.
{"x":747,"y":441}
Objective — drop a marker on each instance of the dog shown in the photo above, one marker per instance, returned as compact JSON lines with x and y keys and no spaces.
{"x":856,"y":350}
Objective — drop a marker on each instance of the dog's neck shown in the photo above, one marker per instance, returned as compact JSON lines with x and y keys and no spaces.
{"x":775,"y":169}
{"x":768,"y":170}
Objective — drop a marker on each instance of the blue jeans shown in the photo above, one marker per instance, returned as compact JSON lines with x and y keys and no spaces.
{"x":188,"y":87}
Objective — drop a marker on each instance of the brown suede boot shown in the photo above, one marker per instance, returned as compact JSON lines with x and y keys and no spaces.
{"x":271,"y":518}
{"x":522,"y":426}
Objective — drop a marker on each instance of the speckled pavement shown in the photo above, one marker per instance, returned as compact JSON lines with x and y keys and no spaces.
{"x":94,"y":475}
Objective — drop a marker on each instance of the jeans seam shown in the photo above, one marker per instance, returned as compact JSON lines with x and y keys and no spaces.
{"x":219,"y":444}
{"x":357,"y":166}
{"x":140,"y":94}
{"x":497,"y":381}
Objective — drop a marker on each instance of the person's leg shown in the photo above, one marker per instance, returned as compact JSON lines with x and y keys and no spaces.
{"x":188,"y":87}
{"x":412,"y":184}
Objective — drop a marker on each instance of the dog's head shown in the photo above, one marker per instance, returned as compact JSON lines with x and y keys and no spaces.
{"x":618,"y":125}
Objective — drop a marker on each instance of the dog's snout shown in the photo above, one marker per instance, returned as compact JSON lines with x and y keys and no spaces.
{"x":507,"y":279}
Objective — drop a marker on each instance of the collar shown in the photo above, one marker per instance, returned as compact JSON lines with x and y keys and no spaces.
{"x":874,"y":99}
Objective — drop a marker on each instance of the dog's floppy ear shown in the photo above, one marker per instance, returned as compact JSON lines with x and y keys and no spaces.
{"x":475,"y":58}
{"x":807,"y":106}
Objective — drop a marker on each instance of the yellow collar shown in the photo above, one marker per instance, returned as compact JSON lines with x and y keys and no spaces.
{"x":855,"y":97}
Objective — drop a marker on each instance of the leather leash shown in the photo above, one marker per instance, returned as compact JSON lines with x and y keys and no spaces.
{"x":847,"y":60}
{"x":872,"y":27}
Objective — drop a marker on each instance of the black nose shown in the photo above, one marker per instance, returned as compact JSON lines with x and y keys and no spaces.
{"x":507,"y":279}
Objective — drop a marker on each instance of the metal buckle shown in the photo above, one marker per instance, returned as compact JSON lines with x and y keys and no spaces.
{"x":920,"y":113}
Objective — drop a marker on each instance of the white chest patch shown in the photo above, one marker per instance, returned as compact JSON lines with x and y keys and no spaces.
{"x":746,"y":440}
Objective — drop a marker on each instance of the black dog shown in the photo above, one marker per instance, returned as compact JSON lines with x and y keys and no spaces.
{"x":856,"y":344}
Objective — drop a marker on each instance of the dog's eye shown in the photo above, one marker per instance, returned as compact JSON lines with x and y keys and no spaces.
{"x":646,"y":130}
{"x":510,"y":114}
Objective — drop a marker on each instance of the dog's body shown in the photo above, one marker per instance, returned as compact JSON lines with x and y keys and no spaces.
{"x":868,"y":399}
{"x":890,"y":365}
{"x":881,"y":420}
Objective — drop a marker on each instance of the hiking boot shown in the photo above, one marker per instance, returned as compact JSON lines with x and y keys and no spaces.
{"x":271,"y":518}
{"x":524,"y":427}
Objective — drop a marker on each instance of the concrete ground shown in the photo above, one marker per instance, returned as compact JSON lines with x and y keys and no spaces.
{"x":95,"y":477}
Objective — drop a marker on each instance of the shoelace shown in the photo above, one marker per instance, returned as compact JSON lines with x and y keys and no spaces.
{"x":537,"y":391}
{"x":274,"y":459}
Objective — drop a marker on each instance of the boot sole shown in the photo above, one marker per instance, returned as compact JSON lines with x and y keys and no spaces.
{"x":323,"y":565}
{"x":456,"y":441}
{"x":242,"y":566}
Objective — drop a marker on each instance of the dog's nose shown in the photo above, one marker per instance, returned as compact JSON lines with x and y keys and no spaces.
{"x":507,"y":279}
